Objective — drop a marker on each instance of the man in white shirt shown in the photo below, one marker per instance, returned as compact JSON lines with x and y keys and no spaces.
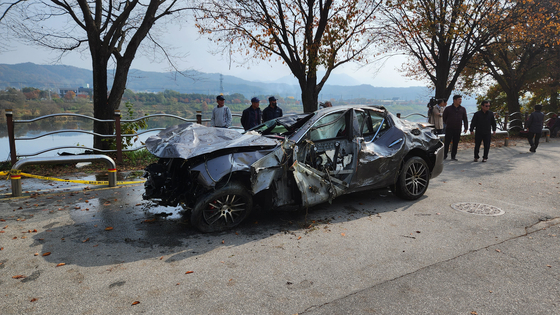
{"x":221,"y":115}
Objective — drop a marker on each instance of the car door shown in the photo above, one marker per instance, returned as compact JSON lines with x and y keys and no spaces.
{"x":380,"y":150}
{"x":325,"y":158}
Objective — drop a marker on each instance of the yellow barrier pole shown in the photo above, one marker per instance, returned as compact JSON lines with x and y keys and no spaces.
{"x":16,"y":183}
{"x":112,"y":177}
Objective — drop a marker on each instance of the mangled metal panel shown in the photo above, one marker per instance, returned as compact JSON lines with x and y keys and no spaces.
{"x":378,"y":161}
{"x":269,"y":168}
{"x":316,"y":187}
{"x":191,"y":139}
{"x":417,"y":134}
{"x":213,"y":170}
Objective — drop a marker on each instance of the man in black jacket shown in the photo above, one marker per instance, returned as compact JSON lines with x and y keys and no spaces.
{"x":485,"y":124}
{"x":535,"y":126}
{"x":453,"y":117}
{"x":252,"y":116}
{"x":272,"y":110}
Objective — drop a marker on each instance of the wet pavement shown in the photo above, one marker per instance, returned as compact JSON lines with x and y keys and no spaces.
{"x":86,"y":249}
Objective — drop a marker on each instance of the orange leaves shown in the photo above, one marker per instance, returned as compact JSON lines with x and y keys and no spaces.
{"x":109,"y":228}
{"x":149,"y":220}
{"x":18,"y":277}
{"x":60,"y":264}
{"x":46,"y":254}
{"x":189,"y":272}
{"x":135,"y":302}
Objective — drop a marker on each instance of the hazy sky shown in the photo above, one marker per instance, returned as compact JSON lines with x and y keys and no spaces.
{"x":187,"y":41}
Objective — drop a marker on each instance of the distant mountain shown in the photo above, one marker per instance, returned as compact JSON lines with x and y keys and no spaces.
{"x":334,"y":79}
{"x":61,"y":76}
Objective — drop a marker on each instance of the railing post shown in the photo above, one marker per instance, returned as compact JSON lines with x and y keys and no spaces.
{"x":117,"y":116}
{"x":11,"y":135}
{"x":506,"y":140}
{"x":199,"y":117}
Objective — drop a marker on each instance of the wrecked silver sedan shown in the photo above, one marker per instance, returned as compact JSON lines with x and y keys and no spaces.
{"x":289,"y":162}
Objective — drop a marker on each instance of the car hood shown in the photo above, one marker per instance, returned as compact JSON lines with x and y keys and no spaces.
{"x":191,"y":139}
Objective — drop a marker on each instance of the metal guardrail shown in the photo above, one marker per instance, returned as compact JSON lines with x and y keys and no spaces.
{"x":117,"y":136}
{"x":16,"y":168}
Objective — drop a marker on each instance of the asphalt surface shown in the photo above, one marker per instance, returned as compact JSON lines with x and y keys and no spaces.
{"x":366,"y":253}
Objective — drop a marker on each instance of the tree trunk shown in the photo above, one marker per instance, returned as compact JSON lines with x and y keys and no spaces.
{"x":101,"y":107}
{"x":513,"y":106}
{"x":554,"y":100}
{"x":309,"y":93}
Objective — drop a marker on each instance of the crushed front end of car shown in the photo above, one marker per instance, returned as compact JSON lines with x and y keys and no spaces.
{"x":198,"y":163}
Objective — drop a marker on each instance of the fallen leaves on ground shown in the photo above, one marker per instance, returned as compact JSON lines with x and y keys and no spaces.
{"x":342,"y":234}
{"x":87,"y":239}
{"x":33,"y":300}
{"x":46,"y":254}
{"x":109,"y":228}
{"x":135,"y":302}
{"x":190,"y":271}
{"x":150,"y":220}
{"x":61,"y":264}
{"x":18,"y":277}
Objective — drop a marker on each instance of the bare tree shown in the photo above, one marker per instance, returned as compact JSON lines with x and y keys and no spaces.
{"x":441,"y":36}
{"x":110,"y":30}
{"x":305,"y":34}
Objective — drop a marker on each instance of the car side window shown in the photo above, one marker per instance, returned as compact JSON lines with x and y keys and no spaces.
{"x":330,"y":126}
{"x":372,"y":123}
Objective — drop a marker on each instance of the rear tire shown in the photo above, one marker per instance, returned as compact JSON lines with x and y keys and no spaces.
{"x":222,"y":209}
{"x":413,"y":180}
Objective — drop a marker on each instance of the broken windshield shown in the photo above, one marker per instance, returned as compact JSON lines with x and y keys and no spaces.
{"x":284,"y":126}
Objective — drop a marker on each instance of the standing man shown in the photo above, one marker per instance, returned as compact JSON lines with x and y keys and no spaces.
{"x":251,"y":117}
{"x":272,"y":110}
{"x":485,"y":124}
{"x":221,"y":115}
{"x":535,"y":126}
{"x":453,"y":116}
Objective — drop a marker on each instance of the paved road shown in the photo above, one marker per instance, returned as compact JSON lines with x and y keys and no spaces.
{"x":368,"y":253}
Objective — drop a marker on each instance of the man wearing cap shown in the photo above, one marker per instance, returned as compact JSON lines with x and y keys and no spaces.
{"x":272,"y":110}
{"x":251,"y":117}
{"x":221,"y":115}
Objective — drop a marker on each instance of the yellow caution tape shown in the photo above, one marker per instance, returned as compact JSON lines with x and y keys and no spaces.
{"x":88,"y":182}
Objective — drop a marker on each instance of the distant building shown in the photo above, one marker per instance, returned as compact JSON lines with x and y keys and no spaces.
{"x":78,"y":91}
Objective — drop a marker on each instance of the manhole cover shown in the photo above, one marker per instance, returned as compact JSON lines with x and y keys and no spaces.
{"x":477,"y":208}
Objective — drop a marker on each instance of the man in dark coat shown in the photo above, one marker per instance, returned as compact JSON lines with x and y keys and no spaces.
{"x":453,"y":117}
{"x":251,"y":117}
{"x":485,"y":124}
{"x":535,"y":126}
{"x":272,"y":110}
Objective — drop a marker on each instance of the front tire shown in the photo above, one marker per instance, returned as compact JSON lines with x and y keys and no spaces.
{"x":414,"y":179}
{"x":222,"y":209}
